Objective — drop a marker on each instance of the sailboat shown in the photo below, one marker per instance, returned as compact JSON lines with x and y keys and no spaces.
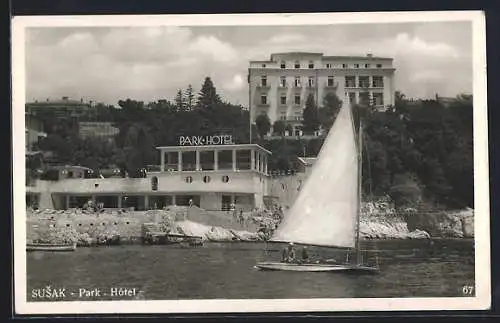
{"x":327,"y":209}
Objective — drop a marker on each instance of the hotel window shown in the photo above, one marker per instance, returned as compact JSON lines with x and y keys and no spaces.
{"x":364,"y":81}
{"x":297,"y":99}
{"x":283,"y":116}
{"x":283,"y":81}
{"x":263,"y":65}
{"x":311,"y":64}
{"x":297,"y":81}
{"x":344,"y":65}
{"x":379,"y":65}
{"x":154,"y":183}
{"x":356,"y":65}
{"x":189,"y":161}
{"x":328,"y":65}
{"x":298,"y":116}
{"x":243,"y":159}
{"x":330,"y":81}
{"x":310,"y":81}
{"x":378,"y":99}
{"x":207,"y":159}
{"x":364,"y":98}
{"x":263,"y":80}
{"x":350,"y":81}
{"x":297,"y":64}
{"x":263,"y":99}
{"x":189,"y":179}
{"x":225,"y":178}
{"x":283,"y":65}
{"x":367,"y":65}
{"x":206,"y":179}
{"x":378,"y":81}
{"x":283,"y":100}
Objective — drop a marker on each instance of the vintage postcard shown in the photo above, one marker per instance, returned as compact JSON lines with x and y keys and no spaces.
{"x":250,"y":163}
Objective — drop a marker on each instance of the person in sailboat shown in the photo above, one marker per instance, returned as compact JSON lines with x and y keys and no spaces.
{"x":305,"y":255}
{"x":289,"y":253}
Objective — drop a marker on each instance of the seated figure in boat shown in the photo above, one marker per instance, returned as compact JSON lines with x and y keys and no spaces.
{"x":305,"y":255}
{"x":289,"y":253}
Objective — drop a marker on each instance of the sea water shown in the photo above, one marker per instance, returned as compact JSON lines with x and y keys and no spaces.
{"x":408,"y":268}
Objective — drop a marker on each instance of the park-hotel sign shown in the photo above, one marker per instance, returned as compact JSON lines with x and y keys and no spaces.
{"x":205,"y":140}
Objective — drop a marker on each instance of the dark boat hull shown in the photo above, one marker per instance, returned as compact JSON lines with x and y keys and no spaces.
{"x":50,"y":247}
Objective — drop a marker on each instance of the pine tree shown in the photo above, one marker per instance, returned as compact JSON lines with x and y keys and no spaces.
{"x":189,"y":97}
{"x":310,"y":115}
{"x":208,"y":97}
{"x":180,"y":101}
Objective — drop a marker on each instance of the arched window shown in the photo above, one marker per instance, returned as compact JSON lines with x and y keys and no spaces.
{"x":225,"y":178}
{"x":189,"y":179}
{"x":154,"y":183}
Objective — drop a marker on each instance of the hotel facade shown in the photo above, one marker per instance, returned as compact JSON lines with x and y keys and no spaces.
{"x":280,"y":86}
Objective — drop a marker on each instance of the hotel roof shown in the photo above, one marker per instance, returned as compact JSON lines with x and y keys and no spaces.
{"x":334,"y":57}
{"x":213,"y":147}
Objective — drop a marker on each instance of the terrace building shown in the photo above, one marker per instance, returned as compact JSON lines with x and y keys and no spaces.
{"x":280,"y":86}
{"x":213,"y":176}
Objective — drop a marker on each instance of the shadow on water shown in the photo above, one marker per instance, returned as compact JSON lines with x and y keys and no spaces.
{"x":226,"y":271}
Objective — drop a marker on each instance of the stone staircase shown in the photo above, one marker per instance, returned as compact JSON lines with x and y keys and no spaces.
{"x":152,"y":229}
{"x":222,"y":219}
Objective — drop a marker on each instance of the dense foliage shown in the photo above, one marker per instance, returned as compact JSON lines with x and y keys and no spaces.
{"x":416,"y":151}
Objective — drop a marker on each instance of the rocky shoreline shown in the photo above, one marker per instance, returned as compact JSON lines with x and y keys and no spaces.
{"x":116,"y":227}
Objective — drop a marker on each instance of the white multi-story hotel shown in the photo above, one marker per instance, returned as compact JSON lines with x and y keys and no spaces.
{"x":279,"y":87}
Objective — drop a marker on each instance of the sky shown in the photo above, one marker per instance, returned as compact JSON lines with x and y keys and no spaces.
{"x":107,"y":64}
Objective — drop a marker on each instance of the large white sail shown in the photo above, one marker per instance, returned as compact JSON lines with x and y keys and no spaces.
{"x":325,"y":211}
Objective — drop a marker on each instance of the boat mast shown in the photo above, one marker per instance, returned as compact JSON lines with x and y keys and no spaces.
{"x":360,"y":190}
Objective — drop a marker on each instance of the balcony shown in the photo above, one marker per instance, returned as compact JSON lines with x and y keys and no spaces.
{"x":263,"y":105}
{"x":263,"y":86}
{"x":379,"y":85}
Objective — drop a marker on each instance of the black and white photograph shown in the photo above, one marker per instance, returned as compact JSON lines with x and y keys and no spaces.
{"x":250,"y":163}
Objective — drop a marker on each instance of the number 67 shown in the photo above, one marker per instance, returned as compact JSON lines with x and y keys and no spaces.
{"x":468,"y":290}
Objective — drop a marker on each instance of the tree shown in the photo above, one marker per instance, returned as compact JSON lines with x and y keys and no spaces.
{"x":279,"y":127}
{"x":180,"y":101}
{"x":328,"y":112}
{"x":310,"y":119}
{"x":208,"y":97}
{"x":263,"y":125}
{"x":190,"y":100}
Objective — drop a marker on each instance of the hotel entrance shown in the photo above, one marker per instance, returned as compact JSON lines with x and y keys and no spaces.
{"x":183,"y":200}
{"x":159,"y":201}
{"x":226,"y":202}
